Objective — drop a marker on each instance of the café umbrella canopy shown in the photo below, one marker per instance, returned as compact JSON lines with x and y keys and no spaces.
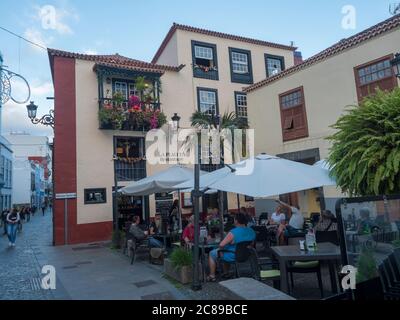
{"x":163,"y":181}
{"x":206,"y":180}
{"x":266,"y":176}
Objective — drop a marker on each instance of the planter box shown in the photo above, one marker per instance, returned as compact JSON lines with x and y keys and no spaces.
{"x":182,"y":275}
{"x":369,"y":290}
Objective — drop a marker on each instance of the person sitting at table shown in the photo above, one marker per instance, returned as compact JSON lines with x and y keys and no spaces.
{"x":188,"y":233}
{"x":141,"y":235}
{"x":366,"y":224}
{"x":238,"y":234}
{"x":296,"y":222}
{"x":155,"y":224}
{"x":250,"y":219}
{"x":277,"y":217}
{"x":326,"y":223}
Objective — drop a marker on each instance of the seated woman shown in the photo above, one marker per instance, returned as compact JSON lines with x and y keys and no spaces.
{"x":238,"y":234}
{"x":326,"y":223}
{"x":277,"y":217}
{"x":188,"y":233}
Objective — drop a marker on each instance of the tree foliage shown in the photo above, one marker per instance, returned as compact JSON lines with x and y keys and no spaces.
{"x":229,"y":120}
{"x":365,"y":153}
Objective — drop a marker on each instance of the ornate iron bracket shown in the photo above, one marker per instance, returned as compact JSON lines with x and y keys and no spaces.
{"x":47,"y":119}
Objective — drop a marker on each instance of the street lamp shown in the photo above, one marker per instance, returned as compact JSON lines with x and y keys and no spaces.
{"x":47,"y":119}
{"x":115,"y":203}
{"x":396,"y":65}
{"x":175,"y":121}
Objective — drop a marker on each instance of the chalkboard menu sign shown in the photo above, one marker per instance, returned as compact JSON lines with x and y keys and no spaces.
{"x":163,"y":201}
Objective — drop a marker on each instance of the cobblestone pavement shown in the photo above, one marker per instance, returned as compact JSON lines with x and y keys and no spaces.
{"x":20,"y":269}
{"x":83,"y":272}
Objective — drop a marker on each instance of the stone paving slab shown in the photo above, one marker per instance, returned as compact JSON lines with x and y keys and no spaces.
{"x":87,"y":272}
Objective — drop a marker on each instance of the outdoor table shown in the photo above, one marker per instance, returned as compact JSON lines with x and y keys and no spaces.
{"x":203,"y":247}
{"x":325,"y":252}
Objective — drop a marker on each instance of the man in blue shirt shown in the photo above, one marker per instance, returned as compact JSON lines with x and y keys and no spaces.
{"x":240,"y":233}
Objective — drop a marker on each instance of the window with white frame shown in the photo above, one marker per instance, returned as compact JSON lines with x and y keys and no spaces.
{"x":240,"y":62}
{"x":375,"y":72}
{"x":204,"y":56}
{"x":275,"y":65}
{"x":241,"y":105}
{"x":122,"y":88}
{"x":132,"y":90}
{"x":208,"y":101}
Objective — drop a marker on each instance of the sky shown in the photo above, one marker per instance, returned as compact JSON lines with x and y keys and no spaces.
{"x":136,"y":28}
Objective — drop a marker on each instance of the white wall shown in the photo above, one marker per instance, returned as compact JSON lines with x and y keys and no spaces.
{"x":21,"y":182}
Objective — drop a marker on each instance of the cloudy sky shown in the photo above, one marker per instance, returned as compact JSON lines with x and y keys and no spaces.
{"x":136,"y":28}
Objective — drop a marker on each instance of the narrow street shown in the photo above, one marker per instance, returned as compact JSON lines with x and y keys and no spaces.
{"x":90,"y":271}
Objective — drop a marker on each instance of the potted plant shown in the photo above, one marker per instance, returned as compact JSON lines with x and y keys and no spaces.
{"x":179,"y":265}
{"x":368,"y":284}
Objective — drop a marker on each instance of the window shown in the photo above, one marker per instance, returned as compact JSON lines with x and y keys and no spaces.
{"x":122,"y":88}
{"x":132,"y":90}
{"x":241,"y":69}
{"x":204,"y":60}
{"x":375,"y":74}
{"x":274,"y":64}
{"x":241,"y":104}
{"x":131,"y":163}
{"x":93,"y":196}
{"x":240,"y":63}
{"x":208,"y":101}
{"x":204,"y":55}
{"x":293,"y":115}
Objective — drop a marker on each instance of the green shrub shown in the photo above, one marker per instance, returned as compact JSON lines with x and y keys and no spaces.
{"x":366,"y":266}
{"x":181,"y":258}
{"x":365,"y":153}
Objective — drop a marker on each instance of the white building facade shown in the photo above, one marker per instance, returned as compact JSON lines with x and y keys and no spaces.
{"x":32,"y":162}
{"x":6,"y":174}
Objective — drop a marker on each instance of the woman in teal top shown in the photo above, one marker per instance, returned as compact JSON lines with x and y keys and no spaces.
{"x":240,"y":233}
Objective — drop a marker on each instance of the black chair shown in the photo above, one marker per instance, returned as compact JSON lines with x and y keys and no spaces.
{"x":393,"y":282}
{"x":242,"y":255}
{"x":395,"y":266}
{"x":139,"y":244}
{"x":390,"y":293}
{"x":327,"y":236}
{"x":259,"y":272}
{"x":305,"y":267}
{"x":261,"y":234}
{"x":262,"y":218}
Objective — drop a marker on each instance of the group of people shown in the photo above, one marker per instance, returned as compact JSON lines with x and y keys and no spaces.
{"x":240,"y":232}
{"x":292,"y":223}
{"x":13,"y":219}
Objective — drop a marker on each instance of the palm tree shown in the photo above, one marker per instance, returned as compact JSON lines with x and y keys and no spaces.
{"x":230,"y":121}
{"x":365,"y":155}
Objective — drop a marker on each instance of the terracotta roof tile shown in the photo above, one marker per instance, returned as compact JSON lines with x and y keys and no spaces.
{"x":177,"y":26}
{"x":116,"y":60}
{"x":370,"y":33}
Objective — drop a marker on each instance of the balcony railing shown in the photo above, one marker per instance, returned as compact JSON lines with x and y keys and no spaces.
{"x":117,"y":114}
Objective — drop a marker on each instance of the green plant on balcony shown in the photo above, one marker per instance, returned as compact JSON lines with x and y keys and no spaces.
{"x":113,"y":112}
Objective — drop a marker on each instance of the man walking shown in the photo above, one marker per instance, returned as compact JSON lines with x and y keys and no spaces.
{"x":43,"y":208}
